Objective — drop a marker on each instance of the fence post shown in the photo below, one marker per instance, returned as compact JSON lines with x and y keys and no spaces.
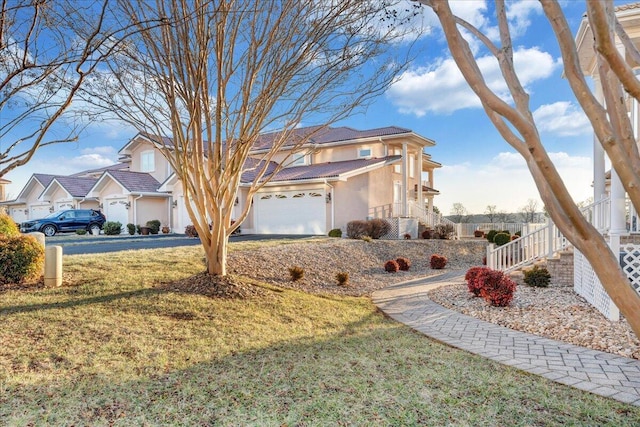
{"x":490,"y":256}
{"x":550,"y":237}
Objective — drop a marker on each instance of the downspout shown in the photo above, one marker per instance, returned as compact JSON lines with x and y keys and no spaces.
{"x":135,"y":209}
{"x":333,"y":211}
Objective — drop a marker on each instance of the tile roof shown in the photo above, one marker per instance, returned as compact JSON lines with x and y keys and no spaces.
{"x":115,"y":166}
{"x":321,"y":170}
{"x":44,"y":178}
{"x":76,"y":186}
{"x":325,"y":135}
{"x":135,"y":182}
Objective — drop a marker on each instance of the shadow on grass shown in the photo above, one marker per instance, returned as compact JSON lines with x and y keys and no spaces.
{"x":373,"y":372}
{"x":80,"y":301}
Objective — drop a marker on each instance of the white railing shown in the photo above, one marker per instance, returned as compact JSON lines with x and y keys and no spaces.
{"x":599,"y":214}
{"x":587,"y":285}
{"x":541,"y":243}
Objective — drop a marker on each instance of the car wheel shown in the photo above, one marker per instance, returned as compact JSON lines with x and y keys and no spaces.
{"x":49,"y":230}
{"x":95,"y":227}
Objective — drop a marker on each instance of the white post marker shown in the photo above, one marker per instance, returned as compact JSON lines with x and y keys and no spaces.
{"x":53,"y":266}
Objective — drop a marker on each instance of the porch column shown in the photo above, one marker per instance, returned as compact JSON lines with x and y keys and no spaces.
{"x":598,"y":171}
{"x":405,"y":179}
{"x":420,"y":195}
{"x":618,"y":225}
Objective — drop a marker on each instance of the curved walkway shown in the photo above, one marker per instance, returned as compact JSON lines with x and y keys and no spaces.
{"x":601,"y":373}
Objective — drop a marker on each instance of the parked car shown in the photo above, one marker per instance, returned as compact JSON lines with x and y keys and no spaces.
{"x":66,"y":220}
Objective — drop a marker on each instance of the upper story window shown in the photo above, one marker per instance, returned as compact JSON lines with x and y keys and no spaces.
{"x":397,"y":168}
{"x":364,"y":152}
{"x":298,"y":160}
{"x":147,"y":163}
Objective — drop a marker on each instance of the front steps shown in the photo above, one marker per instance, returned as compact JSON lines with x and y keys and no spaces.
{"x":560,"y":268}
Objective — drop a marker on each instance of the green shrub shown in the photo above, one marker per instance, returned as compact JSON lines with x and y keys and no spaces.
{"x":112,"y":228}
{"x":378,"y":227}
{"x":403,"y":263}
{"x":367,"y":239}
{"x":131,"y":229}
{"x":501,"y":239}
{"x":8,"y":226}
{"x":154,"y":225}
{"x":491,"y":234}
{"x":296,"y":273}
{"x":391,"y":266}
{"x":438,"y":262}
{"x":21,"y":259}
{"x":358,"y":228}
{"x":342,"y":278}
{"x":336,"y":232}
{"x":81,"y":232}
{"x":538,"y":277}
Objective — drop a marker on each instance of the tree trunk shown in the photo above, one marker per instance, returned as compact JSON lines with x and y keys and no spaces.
{"x":216,"y":252}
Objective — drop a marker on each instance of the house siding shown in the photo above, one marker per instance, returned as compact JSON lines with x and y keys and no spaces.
{"x":161,"y":165}
{"x":148,"y":209}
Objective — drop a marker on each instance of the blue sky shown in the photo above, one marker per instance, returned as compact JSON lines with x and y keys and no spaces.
{"x":432,"y":99}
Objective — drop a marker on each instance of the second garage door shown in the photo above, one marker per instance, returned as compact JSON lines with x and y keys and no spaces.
{"x":291,"y":212}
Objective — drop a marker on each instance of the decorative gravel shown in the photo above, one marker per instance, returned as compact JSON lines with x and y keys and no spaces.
{"x":363,"y":261}
{"x":555,"y":312}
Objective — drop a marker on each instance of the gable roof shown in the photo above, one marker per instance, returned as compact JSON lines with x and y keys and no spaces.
{"x":75,"y":186}
{"x":329,"y":170}
{"x":131,"y":182}
{"x":37,"y":178}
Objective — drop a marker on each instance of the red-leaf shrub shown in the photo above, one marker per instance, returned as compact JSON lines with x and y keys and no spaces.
{"x":391,"y":266}
{"x":427,"y":234}
{"x":497,"y":288}
{"x":190,"y":231}
{"x":438,"y":262}
{"x":478,"y":233}
{"x":473,"y":282}
{"x":358,"y":229}
{"x":403,"y":263}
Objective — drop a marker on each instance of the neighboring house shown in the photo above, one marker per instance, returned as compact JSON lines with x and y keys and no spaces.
{"x":342,"y":174}
{"x":3,"y":188}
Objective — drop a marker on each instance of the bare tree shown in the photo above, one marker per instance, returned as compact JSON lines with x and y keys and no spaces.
{"x":47,"y":51}
{"x":219,"y":73}
{"x":491,"y":212}
{"x":529,"y":211}
{"x":517,"y":126}
{"x":503,"y":216}
{"x":459,"y":213}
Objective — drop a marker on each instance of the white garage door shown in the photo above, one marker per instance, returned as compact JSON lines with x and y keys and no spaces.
{"x":18,"y":214}
{"x":291,"y":212}
{"x":116,"y":210}
{"x":37,"y":212}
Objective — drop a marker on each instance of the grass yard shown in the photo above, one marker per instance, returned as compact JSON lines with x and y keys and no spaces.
{"x":112,"y":347}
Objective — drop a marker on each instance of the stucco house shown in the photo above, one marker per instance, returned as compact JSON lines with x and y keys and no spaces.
{"x":342,"y":174}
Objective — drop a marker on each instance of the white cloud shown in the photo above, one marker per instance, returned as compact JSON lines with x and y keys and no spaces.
{"x":506,"y":182}
{"x":442,"y":89}
{"x":562,"y":119}
{"x":43,"y":162}
{"x":518,"y":14}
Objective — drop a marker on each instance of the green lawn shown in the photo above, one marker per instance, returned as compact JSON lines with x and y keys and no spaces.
{"x":111,"y":347}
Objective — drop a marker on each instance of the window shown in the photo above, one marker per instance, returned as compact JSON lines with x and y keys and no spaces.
{"x":147,"y":163}
{"x":364,"y":152}
{"x":298,"y":160}
{"x":298,"y":195}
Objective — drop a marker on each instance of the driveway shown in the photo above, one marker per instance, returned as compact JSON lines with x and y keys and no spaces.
{"x":75,"y":245}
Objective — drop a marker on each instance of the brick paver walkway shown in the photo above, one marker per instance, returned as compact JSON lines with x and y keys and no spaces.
{"x":590,"y":370}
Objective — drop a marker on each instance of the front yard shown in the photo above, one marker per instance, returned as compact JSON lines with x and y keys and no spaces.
{"x":118,"y":344}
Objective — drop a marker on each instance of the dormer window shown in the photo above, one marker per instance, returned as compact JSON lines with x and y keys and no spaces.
{"x":147,"y":161}
{"x":298,"y":160}
{"x":364,"y":152}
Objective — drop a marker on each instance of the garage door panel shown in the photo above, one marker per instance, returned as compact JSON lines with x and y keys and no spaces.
{"x":116,"y":211}
{"x":293,"y":212}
